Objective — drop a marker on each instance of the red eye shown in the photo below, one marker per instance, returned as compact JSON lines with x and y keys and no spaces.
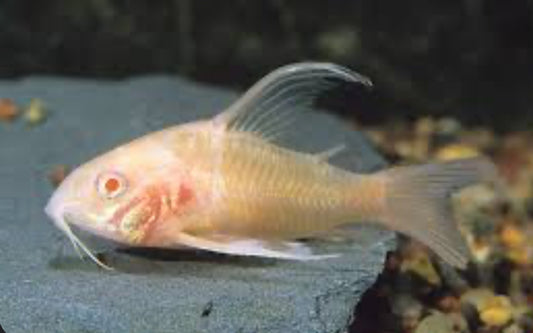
{"x":111,"y":184}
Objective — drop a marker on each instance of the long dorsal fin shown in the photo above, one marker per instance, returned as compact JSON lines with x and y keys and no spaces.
{"x":279,"y":99}
{"x":326,"y":155}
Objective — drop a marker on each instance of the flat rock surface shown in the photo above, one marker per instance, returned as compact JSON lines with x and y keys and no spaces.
{"x":45,"y":287}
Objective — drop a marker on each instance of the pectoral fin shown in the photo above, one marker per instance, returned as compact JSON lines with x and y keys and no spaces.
{"x":252,"y":247}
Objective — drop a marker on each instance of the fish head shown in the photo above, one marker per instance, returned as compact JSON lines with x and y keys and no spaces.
{"x":116,"y":195}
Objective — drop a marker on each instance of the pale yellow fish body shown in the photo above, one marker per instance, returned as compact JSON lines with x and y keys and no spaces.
{"x":226,"y":185}
{"x":261,"y":190}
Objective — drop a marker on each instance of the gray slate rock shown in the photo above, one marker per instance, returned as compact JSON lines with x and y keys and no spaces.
{"x":45,"y":287}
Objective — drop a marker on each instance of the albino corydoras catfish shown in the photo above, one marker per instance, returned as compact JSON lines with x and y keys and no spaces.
{"x":226,"y":184}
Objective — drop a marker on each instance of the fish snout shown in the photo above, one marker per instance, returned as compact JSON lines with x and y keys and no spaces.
{"x":55,"y":210}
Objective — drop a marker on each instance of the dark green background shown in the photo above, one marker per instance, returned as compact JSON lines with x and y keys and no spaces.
{"x":471,"y":58}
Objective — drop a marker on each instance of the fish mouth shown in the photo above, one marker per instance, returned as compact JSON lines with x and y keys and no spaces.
{"x":61,"y":216}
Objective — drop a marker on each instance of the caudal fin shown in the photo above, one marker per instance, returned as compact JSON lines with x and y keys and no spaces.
{"x":418,"y":203}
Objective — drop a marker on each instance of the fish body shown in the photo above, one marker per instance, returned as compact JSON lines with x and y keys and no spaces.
{"x":224,"y":184}
{"x":260,"y":190}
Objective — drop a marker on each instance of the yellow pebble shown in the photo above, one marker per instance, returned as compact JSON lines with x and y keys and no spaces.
{"x":519,"y":255}
{"x":456,"y":151}
{"x":421,"y":265}
{"x":496,"y":311}
{"x":35,"y":113}
{"x":512,"y":237}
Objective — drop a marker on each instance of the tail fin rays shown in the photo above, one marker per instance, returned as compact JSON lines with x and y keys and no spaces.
{"x":417,"y":203}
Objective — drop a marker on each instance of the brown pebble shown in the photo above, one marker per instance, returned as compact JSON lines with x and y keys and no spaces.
{"x":449,"y":304}
{"x":436,"y":322}
{"x":513,"y":328}
{"x":8,"y":110}
{"x":58,"y":174}
{"x":409,"y":324}
{"x":408,"y":309}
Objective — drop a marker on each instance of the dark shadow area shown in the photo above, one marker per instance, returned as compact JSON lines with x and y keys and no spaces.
{"x":190,"y":255}
{"x":160,"y":261}
{"x":373,"y":312}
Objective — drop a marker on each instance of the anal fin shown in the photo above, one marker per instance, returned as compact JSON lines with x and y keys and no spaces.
{"x":252,"y":247}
